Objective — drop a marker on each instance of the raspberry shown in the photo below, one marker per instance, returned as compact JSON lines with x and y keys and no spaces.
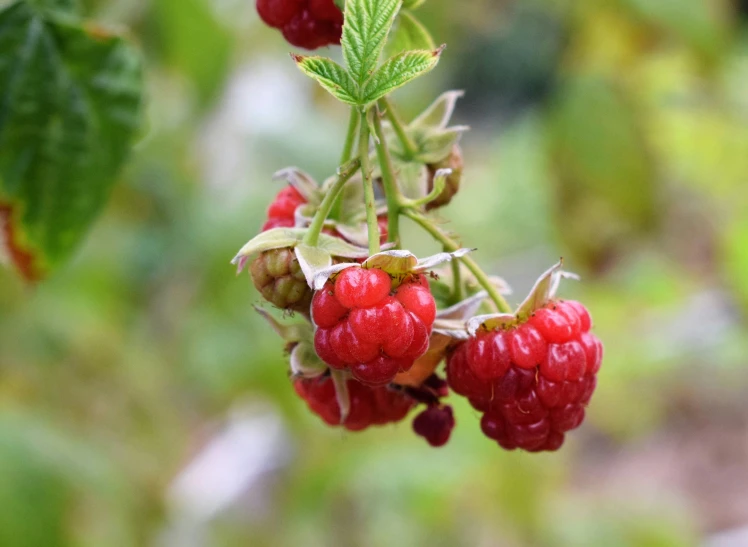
{"x":281,"y":213}
{"x":364,"y":326}
{"x":304,"y":23}
{"x":533,"y":380}
{"x":278,"y":276}
{"x":435,"y":424}
{"x":368,"y":406}
{"x":452,"y":186}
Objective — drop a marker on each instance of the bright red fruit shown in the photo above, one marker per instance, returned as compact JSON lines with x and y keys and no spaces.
{"x":532,"y":381}
{"x":304,"y":23}
{"x":364,"y":326}
{"x":368,"y":406}
{"x":435,"y":424}
{"x":283,"y":208}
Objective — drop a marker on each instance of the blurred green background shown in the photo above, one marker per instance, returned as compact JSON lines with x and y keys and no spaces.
{"x":144,"y":402}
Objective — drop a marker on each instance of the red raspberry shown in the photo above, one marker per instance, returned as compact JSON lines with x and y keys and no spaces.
{"x":435,"y":424}
{"x":305,"y":23}
{"x":278,"y":276}
{"x":364,"y":326}
{"x":533,"y":380}
{"x":368,"y":406}
{"x":283,"y":208}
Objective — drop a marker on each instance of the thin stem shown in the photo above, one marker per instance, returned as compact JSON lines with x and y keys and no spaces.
{"x":391,"y":189}
{"x":399,"y":127}
{"x":457,"y":280}
{"x":350,"y":139}
{"x":371,"y":206}
{"x":345,"y":172}
{"x":471,"y":265}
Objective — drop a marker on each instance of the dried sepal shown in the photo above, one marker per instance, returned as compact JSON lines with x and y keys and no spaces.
{"x":302,"y":181}
{"x":305,"y":363}
{"x":291,"y":333}
{"x":340,"y":381}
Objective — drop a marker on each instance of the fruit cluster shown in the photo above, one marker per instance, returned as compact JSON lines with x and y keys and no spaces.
{"x":369,"y":339}
{"x":532,"y":380}
{"x":308,"y":24}
{"x":365,"y":326}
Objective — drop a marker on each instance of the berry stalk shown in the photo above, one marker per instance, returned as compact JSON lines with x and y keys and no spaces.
{"x":345,"y":172}
{"x":399,"y":127}
{"x":371,"y":206}
{"x":451,"y":245}
{"x":391,"y":189}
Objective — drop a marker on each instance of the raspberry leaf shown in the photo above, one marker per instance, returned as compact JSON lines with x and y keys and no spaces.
{"x":490,"y":322}
{"x":293,"y":333}
{"x":544,"y":290}
{"x":305,"y":362}
{"x":398,"y":71}
{"x":71,"y":96}
{"x":303,"y":182}
{"x":408,"y":34}
{"x":438,"y":113}
{"x":340,"y":380}
{"x":430,"y":262}
{"x":329,"y":75}
{"x":367,"y":24}
{"x":312,"y":260}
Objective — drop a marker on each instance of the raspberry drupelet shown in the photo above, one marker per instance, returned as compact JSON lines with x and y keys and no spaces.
{"x":533,"y":380}
{"x":368,"y":405}
{"x":365,"y":326}
{"x":308,"y":24}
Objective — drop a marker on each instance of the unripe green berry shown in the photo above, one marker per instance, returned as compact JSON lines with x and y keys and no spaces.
{"x":278,"y":276}
{"x":453,"y":162}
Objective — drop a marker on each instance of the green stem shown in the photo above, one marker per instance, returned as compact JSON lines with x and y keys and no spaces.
{"x":471,"y":265}
{"x":345,"y":172}
{"x":399,"y":127}
{"x":391,"y":189}
{"x":371,"y":206}
{"x":350,"y":139}
{"x":457,"y":280}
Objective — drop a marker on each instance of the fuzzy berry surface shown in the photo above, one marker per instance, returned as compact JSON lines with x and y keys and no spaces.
{"x":368,"y":326}
{"x":308,"y":24}
{"x":369,"y":406}
{"x":278,"y":277}
{"x":532,"y":381}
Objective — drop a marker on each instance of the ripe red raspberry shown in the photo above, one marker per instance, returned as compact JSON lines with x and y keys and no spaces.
{"x":532,"y":380}
{"x":366,"y":327}
{"x":278,"y":276}
{"x":368,"y":406}
{"x":452,"y":186}
{"x":304,"y":23}
{"x":281,"y":212}
{"x":435,"y":424}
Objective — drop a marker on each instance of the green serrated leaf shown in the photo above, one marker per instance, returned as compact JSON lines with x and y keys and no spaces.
{"x":71,"y":99}
{"x":409,"y":34}
{"x":330,"y":75}
{"x":398,"y":71}
{"x":412,"y":4}
{"x":367,"y":23}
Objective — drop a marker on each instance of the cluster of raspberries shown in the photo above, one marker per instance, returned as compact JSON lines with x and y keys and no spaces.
{"x":308,"y":24}
{"x":533,"y":380}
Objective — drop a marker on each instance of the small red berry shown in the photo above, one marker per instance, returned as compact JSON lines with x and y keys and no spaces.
{"x":435,"y":424}
{"x":276,"y":13}
{"x":417,"y":299}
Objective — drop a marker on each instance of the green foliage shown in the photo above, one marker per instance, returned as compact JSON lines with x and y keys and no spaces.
{"x":408,"y":33}
{"x":367,"y":25}
{"x":71,"y":94}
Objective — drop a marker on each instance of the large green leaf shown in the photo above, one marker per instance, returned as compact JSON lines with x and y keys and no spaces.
{"x":408,"y":33}
{"x":367,"y":23}
{"x":70,"y":98}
